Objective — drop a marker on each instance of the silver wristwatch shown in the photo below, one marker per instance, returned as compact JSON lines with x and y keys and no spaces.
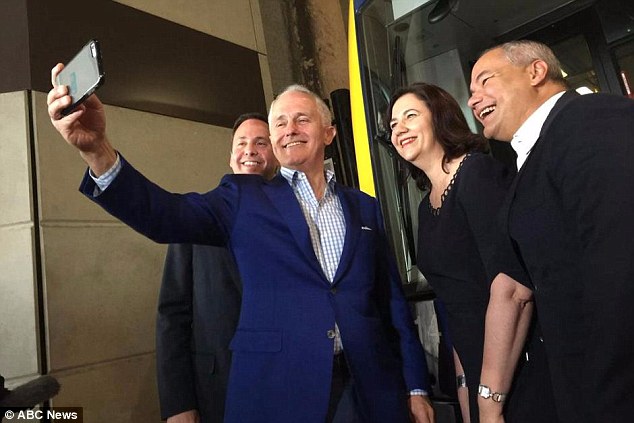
{"x":485,"y":392}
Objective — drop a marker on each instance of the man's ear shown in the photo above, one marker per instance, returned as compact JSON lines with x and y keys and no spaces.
{"x":231,"y":162}
{"x":331,"y":131}
{"x":538,"y":71}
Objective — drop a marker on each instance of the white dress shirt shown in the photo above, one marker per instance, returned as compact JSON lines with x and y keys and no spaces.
{"x":526,"y":137}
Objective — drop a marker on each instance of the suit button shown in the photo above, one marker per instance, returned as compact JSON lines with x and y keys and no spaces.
{"x":333,"y":290}
{"x":331,"y":334}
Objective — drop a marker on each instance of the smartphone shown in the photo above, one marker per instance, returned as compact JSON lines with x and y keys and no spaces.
{"x":83,"y":74}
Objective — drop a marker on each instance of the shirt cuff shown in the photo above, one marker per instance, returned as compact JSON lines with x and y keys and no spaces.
{"x":418,"y":392}
{"x":106,"y":179}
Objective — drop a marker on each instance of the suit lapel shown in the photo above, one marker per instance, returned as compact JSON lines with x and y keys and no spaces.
{"x":350,"y":206}
{"x":568,"y":95}
{"x":283,"y":198}
{"x":565,"y":99}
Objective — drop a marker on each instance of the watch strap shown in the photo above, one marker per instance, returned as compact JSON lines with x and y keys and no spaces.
{"x":486,"y":392}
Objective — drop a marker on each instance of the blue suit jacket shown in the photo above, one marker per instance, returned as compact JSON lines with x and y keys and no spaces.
{"x":282,"y":354}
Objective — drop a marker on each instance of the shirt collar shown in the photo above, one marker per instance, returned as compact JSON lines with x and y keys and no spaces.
{"x":526,"y":137}
{"x":292,"y":176}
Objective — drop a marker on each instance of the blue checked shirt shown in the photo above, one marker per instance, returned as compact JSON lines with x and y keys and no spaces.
{"x":106,"y":179}
{"x":326,"y":224}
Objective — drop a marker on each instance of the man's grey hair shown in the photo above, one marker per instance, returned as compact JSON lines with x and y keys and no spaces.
{"x":525,"y":52}
{"x":322,"y":107}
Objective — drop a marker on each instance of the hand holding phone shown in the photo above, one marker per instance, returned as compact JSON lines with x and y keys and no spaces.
{"x":83,"y":75}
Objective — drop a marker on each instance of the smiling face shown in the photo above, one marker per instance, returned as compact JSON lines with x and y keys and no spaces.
{"x":502,"y":94}
{"x":251,"y":150}
{"x":412,"y":129}
{"x":298,"y":133}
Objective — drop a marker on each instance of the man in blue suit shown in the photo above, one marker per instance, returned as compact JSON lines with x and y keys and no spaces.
{"x":568,"y":216}
{"x":324,"y":324}
{"x":199,"y":303}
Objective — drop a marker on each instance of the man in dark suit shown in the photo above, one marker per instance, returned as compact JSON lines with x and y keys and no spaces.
{"x":324,"y":330}
{"x":568,"y":215}
{"x":199,"y":303}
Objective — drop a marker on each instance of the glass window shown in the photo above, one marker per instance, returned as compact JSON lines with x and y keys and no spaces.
{"x":576,"y":62}
{"x":624,"y":55}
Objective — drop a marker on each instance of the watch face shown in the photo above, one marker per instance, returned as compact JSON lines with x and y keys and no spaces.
{"x":484,"y":391}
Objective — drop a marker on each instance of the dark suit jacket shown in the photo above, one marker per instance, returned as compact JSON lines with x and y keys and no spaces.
{"x":570,"y":216}
{"x":282,"y":348}
{"x":198,"y":311}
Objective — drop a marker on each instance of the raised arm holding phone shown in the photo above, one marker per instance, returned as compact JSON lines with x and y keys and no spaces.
{"x":84,"y":128}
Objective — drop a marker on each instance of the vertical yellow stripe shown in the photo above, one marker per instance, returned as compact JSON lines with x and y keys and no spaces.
{"x":359,"y":125}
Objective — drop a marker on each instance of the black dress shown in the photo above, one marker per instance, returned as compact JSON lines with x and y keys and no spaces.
{"x":460,"y":250}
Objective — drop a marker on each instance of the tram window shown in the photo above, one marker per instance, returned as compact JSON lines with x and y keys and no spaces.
{"x":576,"y":62}
{"x":624,"y":55}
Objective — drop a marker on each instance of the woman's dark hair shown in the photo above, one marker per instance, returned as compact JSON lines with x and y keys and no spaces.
{"x":449,"y":126}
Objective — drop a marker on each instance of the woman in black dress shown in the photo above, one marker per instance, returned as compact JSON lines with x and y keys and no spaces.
{"x":468,"y":261}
